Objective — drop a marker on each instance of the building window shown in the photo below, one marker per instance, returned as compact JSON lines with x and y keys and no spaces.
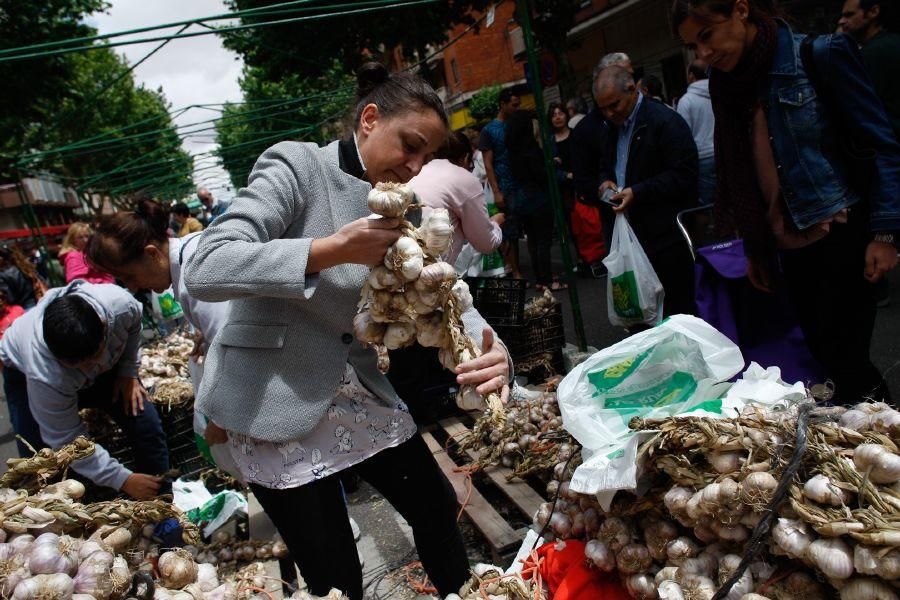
{"x":455,"y":68}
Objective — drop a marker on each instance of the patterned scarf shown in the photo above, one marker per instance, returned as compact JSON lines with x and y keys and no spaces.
{"x":735,"y":96}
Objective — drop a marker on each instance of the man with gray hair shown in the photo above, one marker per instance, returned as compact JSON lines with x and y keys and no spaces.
{"x":211,"y":209}
{"x":651,"y":166}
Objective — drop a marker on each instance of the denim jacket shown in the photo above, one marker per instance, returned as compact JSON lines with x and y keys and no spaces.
{"x":811,"y":169}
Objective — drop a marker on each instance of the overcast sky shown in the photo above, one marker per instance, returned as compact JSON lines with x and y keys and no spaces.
{"x":190,"y":71}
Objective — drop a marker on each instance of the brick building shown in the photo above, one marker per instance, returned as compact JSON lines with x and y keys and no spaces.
{"x":493,"y":54}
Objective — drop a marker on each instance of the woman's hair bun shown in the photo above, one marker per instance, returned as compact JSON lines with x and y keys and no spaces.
{"x":154,"y":214}
{"x":369,"y":76}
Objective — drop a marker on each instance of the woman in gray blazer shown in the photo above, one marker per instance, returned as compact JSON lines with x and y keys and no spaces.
{"x":300,"y":399}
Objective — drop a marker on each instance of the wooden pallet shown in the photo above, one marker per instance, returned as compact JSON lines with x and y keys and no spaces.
{"x":499,"y":534}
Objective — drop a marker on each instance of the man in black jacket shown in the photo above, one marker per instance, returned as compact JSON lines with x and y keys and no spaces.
{"x":650,"y":160}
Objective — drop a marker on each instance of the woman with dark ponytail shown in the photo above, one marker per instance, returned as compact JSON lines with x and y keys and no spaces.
{"x":808,"y":173}
{"x":135,"y":248}
{"x":301,"y":400}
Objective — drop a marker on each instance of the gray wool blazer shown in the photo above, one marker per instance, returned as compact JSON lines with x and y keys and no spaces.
{"x":275,"y":365}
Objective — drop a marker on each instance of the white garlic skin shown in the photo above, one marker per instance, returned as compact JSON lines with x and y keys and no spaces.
{"x":792,"y":536}
{"x":725,"y":461}
{"x":437,"y":231}
{"x":367,"y":330}
{"x":177,"y":569}
{"x":641,"y":586}
{"x":669,"y":590}
{"x":867,"y":588}
{"x":399,"y":335}
{"x":882,"y":465}
{"x":390,"y":199}
{"x":56,"y":586}
{"x":820,"y":489}
{"x":832,"y":556}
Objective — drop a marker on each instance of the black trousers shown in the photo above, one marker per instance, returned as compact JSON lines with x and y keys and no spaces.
{"x":835,"y":306}
{"x":675,"y":268}
{"x":312,"y":520}
{"x":539,"y":229}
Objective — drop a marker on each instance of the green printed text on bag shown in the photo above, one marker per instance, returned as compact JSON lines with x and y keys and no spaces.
{"x":626,"y":301}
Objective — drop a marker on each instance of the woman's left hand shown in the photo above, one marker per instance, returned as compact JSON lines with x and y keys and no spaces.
{"x":490,"y":371}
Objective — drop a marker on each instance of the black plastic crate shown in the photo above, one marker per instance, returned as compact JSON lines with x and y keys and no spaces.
{"x":500,"y":301}
{"x":536,"y":346}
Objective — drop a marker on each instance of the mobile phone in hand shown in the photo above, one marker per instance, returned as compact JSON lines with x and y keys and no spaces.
{"x":607,"y":197}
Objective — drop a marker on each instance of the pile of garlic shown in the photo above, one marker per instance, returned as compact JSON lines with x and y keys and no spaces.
{"x":166,"y":360}
{"x":530,"y":441}
{"x":709,"y":482}
{"x":414,"y":296}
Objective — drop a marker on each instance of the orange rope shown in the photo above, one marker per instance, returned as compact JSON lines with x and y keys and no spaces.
{"x":257,"y":589}
{"x":420,"y":587}
{"x":452,"y":438}
{"x":775,"y":579}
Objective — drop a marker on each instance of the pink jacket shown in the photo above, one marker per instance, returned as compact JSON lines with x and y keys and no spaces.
{"x":77,"y":267}
{"x":441,"y":184}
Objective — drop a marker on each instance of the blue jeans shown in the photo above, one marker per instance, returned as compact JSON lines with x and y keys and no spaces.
{"x":148,"y":440}
{"x":23,"y":423}
{"x":707,"y":180}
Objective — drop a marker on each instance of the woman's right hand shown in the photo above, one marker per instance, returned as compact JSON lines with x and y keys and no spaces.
{"x":362,"y":242}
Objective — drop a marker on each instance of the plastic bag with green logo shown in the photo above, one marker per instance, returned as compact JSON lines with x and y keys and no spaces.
{"x":677,"y":367}
{"x":165,"y":306}
{"x":633,"y":291}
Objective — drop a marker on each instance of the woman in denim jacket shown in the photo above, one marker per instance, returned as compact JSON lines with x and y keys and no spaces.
{"x":786,"y":180}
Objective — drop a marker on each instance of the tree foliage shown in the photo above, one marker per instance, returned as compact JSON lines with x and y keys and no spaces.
{"x":50,"y":106}
{"x":293,"y":107}
{"x":32,"y":88}
{"x":483,"y":105}
{"x":307,"y":48}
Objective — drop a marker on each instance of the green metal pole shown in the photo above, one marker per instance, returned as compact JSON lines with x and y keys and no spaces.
{"x":524,"y":17}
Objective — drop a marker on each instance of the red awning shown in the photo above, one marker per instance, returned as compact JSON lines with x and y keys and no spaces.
{"x":12,"y":234}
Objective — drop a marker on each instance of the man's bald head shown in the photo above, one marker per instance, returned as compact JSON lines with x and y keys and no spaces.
{"x":615,"y":94}
{"x":205,"y":196}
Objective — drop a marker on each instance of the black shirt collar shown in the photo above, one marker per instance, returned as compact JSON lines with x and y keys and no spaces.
{"x":348,"y":158}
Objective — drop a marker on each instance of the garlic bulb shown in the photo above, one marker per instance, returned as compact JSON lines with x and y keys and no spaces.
{"x":665,"y":574}
{"x":223,"y":592}
{"x":832,"y":556}
{"x":676,"y":500}
{"x":280,"y":549}
{"x":368,"y":330}
{"x":820,"y":489}
{"x":886,"y":421}
{"x":681,"y":548}
{"x":390,"y":199}
{"x":856,"y":420}
{"x":67,"y":488}
{"x":437,"y":231}
{"x":633,"y":558}
{"x":884,"y":565}
{"x":669,"y":590}
{"x":614,"y":532}
{"x":600,"y":555}
{"x":177,"y":568}
{"x":727,"y":567}
{"x":116,"y":538}
{"x":758,"y":487}
{"x":468,"y":399}
{"x":430,"y":330}
{"x":57,"y":586}
{"x":437,"y":278}
{"x":696,"y":587}
{"x":792,"y":536}
{"x":657,"y":535}
{"x":462,"y":296}
{"x":641,"y":587}
{"x":422,"y":304}
{"x":405,"y":258}
{"x":725,"y":461}
{"x":399,"y":335}
{"x":49,"y":556}
{"x":390,"y":307}
{"x":866,"y":588}
{"x":381,"y":278}
{"x":207,"y":577}
{"x":93,"y":579}
{"x":881,"y":465}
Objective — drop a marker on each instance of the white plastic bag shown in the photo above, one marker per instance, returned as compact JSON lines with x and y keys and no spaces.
{"x":165,"y":306}
{"x":675,"y":368}
{"x":633,"y":291}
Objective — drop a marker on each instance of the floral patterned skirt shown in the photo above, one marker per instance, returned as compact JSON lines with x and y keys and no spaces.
{"x":356,"y":426}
